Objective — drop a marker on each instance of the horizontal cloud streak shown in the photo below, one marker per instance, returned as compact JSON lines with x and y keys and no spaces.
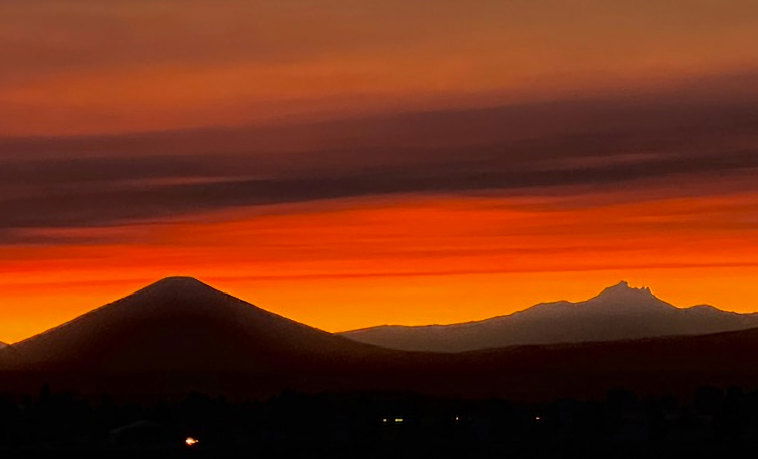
{"x":693,"y":138}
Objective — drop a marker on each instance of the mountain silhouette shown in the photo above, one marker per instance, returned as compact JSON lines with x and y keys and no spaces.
{"x":619,"y":312}
{"x":662,"y":365}
{"x":180,"y":335}
{"x":181,"y":324}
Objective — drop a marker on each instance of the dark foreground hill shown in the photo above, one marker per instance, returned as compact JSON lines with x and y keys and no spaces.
{"x":619,"y":312}
{"x":182,"y":324}
{"x":180,"y":335}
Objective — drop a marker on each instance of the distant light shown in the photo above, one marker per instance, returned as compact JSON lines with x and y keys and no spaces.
{"x":190,"y":441}
{"x":398,"y":420}
{"x":537,"y":418}
{"x":457,"y":419}
{"x":384,"y":420}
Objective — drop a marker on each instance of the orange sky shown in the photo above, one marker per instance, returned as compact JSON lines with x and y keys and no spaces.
{"x":128,"y":65}
{"x":352,"y":180}
{"x":409,"y":260}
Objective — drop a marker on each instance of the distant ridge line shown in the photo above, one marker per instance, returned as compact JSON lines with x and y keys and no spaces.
{"x":618,"y":312}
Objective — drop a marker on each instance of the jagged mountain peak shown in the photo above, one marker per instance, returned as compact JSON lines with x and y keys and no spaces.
{"x":623,"y":298}
{"x":623,"y":289}
{"x":619,"y":312}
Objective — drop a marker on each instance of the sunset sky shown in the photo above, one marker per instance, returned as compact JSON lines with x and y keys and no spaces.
{"x":349,"y":163}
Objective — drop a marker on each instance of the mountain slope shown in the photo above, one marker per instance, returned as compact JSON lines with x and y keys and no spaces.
{"x":182,"y":324}
{"x":619,"y":312}
{"x":664,"y":365}
{"x":180,"y":335}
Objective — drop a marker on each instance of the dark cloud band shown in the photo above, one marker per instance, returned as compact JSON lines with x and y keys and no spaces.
{"x":609,"y":143}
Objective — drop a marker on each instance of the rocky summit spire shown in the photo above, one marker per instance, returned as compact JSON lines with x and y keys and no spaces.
{"x":622,"y":297}
{"x":622,"y":289}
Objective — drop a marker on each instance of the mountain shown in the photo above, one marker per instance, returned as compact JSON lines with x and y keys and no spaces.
{"x":617,"y":313}
{"x":180,"y":325}
{"x":674,"y":365}
{"x":180,"y":335}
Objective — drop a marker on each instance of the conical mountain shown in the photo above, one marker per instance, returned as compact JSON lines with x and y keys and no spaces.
{"x":618,"y":312}
{"x":182,"y":324}
{"x":180,"y":335}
